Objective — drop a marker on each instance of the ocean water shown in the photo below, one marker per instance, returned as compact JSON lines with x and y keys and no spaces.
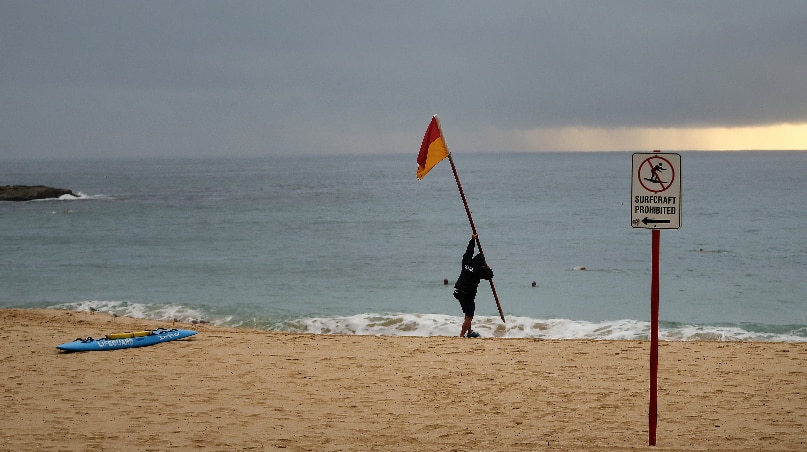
{"x":357,"y":245}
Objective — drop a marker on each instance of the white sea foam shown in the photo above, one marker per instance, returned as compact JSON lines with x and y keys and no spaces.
{"x":731,"y":333}
{"x":525,"y":327}
{"x":443,"y":325}
{"x":424,"y":325}
{"x":169,"y":312}
{"x":84,"y":196}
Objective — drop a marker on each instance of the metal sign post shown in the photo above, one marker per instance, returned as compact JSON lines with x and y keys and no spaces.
{"x":655,"y":204}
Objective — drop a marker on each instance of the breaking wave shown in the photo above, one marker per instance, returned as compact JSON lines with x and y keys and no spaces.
{"x":424,"y":325}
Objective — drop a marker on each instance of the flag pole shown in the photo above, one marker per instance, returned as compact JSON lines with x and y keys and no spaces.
{"x":470,"y":218}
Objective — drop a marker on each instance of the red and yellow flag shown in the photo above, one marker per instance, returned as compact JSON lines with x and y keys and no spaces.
{"x":433,"y":149}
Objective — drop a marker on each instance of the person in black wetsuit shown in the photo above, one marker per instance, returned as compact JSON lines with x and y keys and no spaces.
{"x":474,"y":269}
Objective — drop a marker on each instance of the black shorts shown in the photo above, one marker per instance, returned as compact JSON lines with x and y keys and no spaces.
{"x":466,"y":302}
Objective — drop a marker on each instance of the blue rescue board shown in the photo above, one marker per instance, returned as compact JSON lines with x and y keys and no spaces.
{"x":125,"y":340}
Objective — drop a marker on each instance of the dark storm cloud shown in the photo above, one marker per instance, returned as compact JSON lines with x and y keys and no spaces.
{"x":202,"y":77}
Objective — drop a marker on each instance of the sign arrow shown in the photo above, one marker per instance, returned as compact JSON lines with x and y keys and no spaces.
{"x":653,"y":220}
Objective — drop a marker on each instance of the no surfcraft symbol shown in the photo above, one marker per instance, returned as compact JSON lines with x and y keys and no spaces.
{"x":656,"y":174}
{"x":656,"y":191}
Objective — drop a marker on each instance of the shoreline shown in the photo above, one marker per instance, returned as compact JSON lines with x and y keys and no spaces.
{"x":440,"y":324}
{"x":236,"y":388}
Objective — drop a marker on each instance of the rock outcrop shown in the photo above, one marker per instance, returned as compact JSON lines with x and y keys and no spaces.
{"x":29,"y":192}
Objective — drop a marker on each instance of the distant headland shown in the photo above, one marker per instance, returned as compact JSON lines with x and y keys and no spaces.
{"x":31,"y":192}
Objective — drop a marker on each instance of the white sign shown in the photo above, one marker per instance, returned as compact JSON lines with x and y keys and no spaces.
{"x":655,"y":191}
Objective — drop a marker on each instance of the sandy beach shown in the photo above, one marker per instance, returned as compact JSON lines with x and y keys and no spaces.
{"x":240,"y":389}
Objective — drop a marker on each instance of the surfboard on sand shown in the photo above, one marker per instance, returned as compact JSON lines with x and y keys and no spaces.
{"x":118,"y":341}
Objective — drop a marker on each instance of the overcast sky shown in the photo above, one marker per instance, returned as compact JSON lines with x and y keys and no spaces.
{"x":149,"y":78}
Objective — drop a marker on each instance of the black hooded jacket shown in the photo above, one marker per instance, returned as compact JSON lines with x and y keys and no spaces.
{"x":474,"y":269}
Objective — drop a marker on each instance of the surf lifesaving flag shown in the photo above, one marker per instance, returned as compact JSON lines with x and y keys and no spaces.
{"x":433,"y":149}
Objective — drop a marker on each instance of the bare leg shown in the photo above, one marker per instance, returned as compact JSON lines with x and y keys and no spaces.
{"x":466,"y":326}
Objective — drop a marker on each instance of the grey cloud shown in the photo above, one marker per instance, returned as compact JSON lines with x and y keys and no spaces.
{"x":203,"y":77}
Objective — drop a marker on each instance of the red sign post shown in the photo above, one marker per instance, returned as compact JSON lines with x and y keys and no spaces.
{"x":654,"y":289}
{"x":656,"y":205}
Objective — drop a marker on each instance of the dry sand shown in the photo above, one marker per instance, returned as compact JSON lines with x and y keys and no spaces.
{"x":239,"y":389}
